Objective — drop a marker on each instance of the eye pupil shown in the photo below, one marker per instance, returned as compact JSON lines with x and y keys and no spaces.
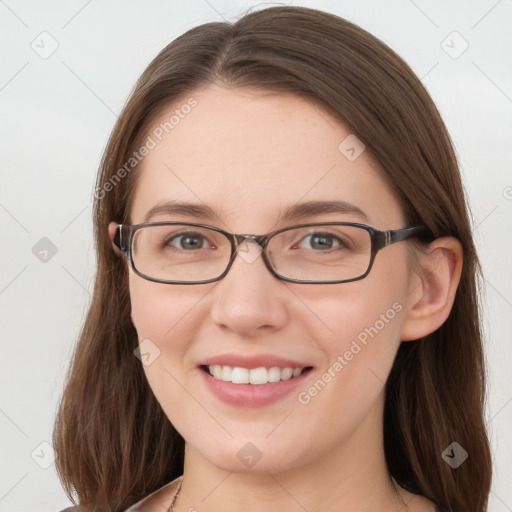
{"x":321,"y":241}
{"x":191,"y":241}
{"x":185,"y":241}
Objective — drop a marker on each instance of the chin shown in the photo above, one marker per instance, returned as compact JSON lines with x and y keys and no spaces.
{"x":260,"y":455}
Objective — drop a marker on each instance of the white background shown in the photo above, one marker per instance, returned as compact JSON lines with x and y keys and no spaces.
{"x":57,"y":114}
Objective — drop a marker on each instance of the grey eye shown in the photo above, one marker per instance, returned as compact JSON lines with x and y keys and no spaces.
{"x":187,"y":241}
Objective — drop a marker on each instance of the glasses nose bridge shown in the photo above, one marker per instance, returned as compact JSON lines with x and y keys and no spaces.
{"x":259,"y":239}
{"x":262,"y":240}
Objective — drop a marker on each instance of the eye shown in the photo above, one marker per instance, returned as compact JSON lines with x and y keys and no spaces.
{"x":188,"y":241}
{"x":323,"y":241}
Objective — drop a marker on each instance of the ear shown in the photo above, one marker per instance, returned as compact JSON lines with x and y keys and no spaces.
{"x":432,"y":292}
{"x":112,"y":228}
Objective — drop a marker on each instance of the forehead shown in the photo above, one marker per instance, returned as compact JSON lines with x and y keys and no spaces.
{"x":248,"y":155}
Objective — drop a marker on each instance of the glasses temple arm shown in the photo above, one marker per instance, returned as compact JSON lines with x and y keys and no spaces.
{"x":120,"y":239}
{"x":397,"y":235}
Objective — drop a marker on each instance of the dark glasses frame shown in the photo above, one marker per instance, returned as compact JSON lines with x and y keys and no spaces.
{"x":124,"y":235}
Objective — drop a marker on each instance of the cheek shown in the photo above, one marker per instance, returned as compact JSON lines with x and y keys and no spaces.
{"x":361,"y":322}
{"x":159,"y":310}
{"x":361,"y":310}
{"x":148,"y":308}
{"x":163,"y":316}
{"x":158,"y":315}
{"x":167,"y":320}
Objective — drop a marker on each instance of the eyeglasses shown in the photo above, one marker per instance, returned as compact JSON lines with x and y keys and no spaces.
{"x":321,"y":253}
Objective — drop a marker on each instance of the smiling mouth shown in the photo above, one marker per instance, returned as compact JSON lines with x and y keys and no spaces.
{"x":255,"y":376}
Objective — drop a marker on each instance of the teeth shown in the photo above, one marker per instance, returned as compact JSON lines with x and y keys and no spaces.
{"x":257,"y":376}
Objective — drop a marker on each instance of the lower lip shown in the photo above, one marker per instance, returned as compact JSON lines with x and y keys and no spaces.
{"x":251,"y":395}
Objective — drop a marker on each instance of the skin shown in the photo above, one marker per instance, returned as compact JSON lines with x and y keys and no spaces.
{"x":248,"y":154}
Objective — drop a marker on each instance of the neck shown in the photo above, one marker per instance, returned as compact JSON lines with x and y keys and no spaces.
{"x":349,"y":476}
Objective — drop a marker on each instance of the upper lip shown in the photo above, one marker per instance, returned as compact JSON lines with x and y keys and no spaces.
{"x":249,"y":362}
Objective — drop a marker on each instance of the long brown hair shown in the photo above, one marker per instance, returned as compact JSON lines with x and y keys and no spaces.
{"x":113,"y":441}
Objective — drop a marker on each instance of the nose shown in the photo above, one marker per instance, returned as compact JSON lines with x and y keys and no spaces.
{"x":250,"y":300}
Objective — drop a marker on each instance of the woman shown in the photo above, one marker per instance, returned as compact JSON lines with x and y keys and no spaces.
{"x":334,"y":364}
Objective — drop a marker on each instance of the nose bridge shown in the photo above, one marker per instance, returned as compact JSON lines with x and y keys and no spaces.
{"x":242,"y":249}
{"x":259,"y":239}
{"x":245,"y":302}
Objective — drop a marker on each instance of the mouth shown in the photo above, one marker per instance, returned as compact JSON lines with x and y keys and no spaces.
{"x":256,"y":380}
{"x":254,"y":376}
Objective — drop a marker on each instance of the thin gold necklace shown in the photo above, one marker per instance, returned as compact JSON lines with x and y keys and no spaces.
{"x":175,"y":497}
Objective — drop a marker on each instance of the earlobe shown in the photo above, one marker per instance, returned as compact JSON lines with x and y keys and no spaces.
{"x":112,"y":228}
{"x":432,"y":293}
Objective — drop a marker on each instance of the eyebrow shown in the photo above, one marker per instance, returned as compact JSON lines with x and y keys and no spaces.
{"x":299,"y":211}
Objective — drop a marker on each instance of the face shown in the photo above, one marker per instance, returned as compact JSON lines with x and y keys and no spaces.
{"x":248,"y":155}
